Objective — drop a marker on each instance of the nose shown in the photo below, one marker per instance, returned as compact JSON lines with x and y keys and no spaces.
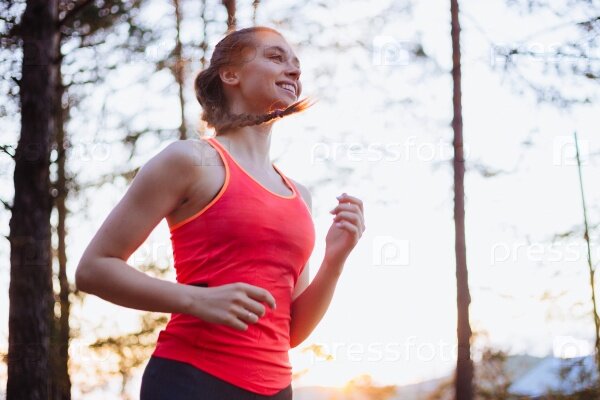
{"x":293,"y":71}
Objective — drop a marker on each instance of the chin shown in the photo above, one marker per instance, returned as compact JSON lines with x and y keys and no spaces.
{"x":282,"y":103}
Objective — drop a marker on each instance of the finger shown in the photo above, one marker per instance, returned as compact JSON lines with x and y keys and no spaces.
{"x":359,"y":230}
{"x":253,"y":306}
{"x":351,"y":217}
{"x":351,"y":199}
{"x":348,"y":215}
{"x":260,"y":294}
{"x":245,"y":315}
{"x":236,"y":323}
{"x":345,"y":206}
{"x":348,"y":207}
{"x":349,"y":227}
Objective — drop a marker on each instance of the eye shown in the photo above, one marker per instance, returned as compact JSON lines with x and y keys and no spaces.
{"x":277,"y":56}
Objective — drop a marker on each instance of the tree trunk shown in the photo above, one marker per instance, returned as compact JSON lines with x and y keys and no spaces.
{"x":179,"y":70}
{"x":592,"y":270}
{"x":231,"y":21}
{"x":30,"y":290}
{"x":255,"y":5}
{"x":61,"y":383}
{"x":464,"y":365}
{"x":203,"y":60}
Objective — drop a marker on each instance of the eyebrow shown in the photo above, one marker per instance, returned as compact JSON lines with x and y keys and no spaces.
{"x":281,"y":49}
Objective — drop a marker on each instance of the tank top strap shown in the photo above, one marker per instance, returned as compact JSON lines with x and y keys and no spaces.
{"x":218,"y":146}
{"x":241,"y":173}
{"x":285,"y":178}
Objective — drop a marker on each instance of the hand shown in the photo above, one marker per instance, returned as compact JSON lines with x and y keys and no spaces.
{"x":234,"y":304}
{"x":341,"y":239}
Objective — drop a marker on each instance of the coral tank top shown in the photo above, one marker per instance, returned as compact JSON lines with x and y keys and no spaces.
{"x":251,"y":234}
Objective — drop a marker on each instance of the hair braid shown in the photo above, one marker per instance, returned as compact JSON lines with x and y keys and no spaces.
{"x":232,"y":121}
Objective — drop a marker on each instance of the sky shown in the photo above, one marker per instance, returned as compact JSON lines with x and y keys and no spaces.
{"x":393,"y":314}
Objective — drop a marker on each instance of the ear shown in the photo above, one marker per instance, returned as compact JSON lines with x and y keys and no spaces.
{"x":229,"y":76}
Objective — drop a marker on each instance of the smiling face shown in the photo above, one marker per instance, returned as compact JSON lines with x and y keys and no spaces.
{"x":268,"y":79}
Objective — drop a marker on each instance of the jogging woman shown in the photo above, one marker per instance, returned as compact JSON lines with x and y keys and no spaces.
{"x":241,"y":231}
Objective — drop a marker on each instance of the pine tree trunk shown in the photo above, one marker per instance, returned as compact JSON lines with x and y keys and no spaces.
{"x":592,"y":270}
{"x":230,"y":5}
{"x":30,"y":290}
{"x":61,"y":383}
{"x":255,"y":5}
{"x":464,"y":365}
{"x":179,"y":70}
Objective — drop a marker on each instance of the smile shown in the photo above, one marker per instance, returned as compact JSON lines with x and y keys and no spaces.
{"x":287,"y":87}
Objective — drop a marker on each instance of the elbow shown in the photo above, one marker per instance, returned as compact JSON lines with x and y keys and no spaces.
{"x":294,"y":340}
{"x":82,"y":276}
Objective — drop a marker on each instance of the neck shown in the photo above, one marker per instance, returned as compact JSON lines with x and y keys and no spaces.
{"x":250,"y":145}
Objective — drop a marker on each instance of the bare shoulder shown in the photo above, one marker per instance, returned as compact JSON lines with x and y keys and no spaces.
{"x":177,"y":166}
{"x":202,"y":152}
{"x":304,"y":192}
{"x":183,"y":157}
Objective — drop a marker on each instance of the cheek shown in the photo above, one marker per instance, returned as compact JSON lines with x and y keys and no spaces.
{"x":252,"y":87}
{"x":260,"y":81}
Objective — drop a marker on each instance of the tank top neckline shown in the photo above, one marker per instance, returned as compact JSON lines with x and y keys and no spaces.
{"x":289,"y":184}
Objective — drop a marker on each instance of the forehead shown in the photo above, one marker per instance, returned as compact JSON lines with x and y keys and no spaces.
{"x":269,"y":41}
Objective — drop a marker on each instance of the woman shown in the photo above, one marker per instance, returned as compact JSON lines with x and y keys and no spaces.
{"x":241,"y":231}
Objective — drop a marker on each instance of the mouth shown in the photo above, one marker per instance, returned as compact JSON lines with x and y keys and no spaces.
{"x":288,"y":87}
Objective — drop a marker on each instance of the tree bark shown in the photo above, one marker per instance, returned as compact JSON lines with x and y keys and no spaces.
{"x":30,"y":290}
{"x":179,"y":70}
{"x":464,"y":365}
{"x":231,"y":20}
{"x":255,"y":5}
{"x":592,"y":270}
{"x":61,"y":382}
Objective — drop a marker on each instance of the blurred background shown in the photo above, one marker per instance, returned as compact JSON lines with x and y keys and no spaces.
{"x":482,"y":236}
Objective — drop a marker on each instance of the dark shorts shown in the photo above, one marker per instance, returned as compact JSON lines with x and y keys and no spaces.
{"x":166,"y":379}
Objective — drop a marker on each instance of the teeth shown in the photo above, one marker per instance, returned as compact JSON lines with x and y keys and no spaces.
{"x":287,"y":86}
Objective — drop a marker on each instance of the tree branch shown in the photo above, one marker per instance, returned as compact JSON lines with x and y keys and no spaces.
{"x":6,"y":205}
{"x":4,"y":149}
{"x":74,"y":11}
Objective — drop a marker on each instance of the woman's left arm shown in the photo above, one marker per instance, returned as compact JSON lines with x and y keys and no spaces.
{"x":309,"y":307}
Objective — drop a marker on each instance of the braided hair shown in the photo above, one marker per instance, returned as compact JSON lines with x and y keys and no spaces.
{"x":209,"y":88}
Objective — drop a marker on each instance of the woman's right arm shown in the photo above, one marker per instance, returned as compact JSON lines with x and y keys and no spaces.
{"x":157,"y":189}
